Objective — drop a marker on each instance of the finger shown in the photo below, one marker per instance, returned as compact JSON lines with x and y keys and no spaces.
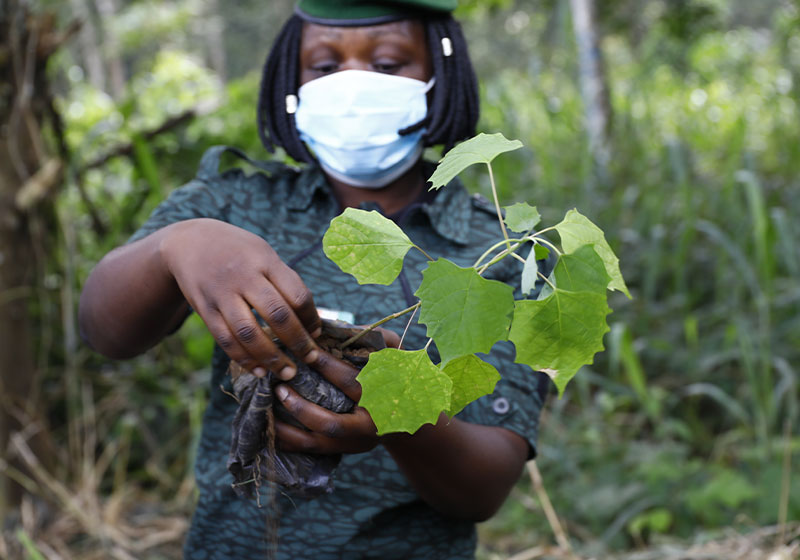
{"x":391,"y":338}
{"x":340,"y":373}
{"x":292,"y":289}
{"x":323,"y":422}
{"x":296,"y":440}
{"x":281,"y":318}
{"x":244,"y":328}
{"x":226,"y":340}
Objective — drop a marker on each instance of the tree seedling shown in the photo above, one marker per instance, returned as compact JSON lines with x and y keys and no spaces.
{"x":557,"y":332}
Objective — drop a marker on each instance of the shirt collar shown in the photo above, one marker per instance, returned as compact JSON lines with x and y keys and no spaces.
{"x":449,"y":213}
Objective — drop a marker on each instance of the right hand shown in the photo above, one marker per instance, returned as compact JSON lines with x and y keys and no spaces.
{"x":224,"y":272}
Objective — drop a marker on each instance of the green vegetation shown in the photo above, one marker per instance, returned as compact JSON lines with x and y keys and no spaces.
{"x":685,"y":425}
{"x":557,"y":332}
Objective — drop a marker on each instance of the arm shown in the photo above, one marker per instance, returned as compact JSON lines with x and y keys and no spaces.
{"x":140,"y":292}
{"x":461,"y":469}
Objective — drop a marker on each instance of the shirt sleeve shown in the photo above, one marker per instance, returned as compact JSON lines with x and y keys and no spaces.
{"x":196,"y":199}
{"x":520,"y":395}
{"x":517,"y":400}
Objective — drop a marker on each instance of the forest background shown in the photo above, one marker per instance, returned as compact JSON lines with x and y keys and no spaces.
{"x":679,"y":135}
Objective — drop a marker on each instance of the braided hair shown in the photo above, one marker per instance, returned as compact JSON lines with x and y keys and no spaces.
{"x":452,"y":112}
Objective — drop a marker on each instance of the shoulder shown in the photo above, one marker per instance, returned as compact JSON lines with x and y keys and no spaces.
{"x":227,"y":166}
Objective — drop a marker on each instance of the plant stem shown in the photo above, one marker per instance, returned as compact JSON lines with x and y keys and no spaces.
{"x":421,"y":250}
{"x":546,"y":280}
{"x":783,"y":505}
{"x":373,"y":326}
{"x":497,"y":246}
{"x":543,"y":241}
{"x":408,"y":324}
{"x":549,"y":511}
{"x":497,"y":207}
{"x":500,"y":256}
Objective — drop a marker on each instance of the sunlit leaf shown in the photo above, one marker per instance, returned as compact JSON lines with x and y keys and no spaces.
{"x":472,"y":378}
{"x":576,"y":230}
{"x":562,"y":332}
{"x":403,"y":390}
{"x":482,"y":148}
{"x":464,"y":312}
{"x":366,"y":245}
{"x":521,"y":217}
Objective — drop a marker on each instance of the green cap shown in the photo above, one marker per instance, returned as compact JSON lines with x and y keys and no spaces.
{"x":369,"y":12}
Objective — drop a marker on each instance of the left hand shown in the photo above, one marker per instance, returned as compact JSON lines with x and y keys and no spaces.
{"x":331,"y":432}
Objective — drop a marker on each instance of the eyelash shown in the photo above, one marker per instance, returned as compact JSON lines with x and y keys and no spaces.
{"x":383,"y":67}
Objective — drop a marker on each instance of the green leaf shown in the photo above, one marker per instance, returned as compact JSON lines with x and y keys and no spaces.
{"x":472,"y":378}
{"x":581,"y":271}
{"x":562,"y":332}
{"x":464,"y":312}
{"x":542,"y":252}
{"x":366,"y":245}
{"x":403,"y":390}
{"x":482,"y":148}
{"x":521,"y":217}
{"x":576,"y":230}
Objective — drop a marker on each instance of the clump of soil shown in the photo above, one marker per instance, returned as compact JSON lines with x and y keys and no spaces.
{"x":253,"y":456}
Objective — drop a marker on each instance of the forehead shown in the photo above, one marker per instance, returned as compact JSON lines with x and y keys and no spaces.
{"x":408,"y":30}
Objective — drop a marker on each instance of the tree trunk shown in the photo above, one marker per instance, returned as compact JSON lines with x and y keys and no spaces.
{"x":214,"y":31}
{"x":593,"y":82}
{"x":116,"y":69}
{"x":28,"y":175}
{"x":89,"y":43}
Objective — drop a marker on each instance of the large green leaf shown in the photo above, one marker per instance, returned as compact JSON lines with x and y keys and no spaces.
{"x":464,"y":312}
{"x":577,"y":230}
{"x":562,"y":332}
{"x":366,"y":245}
{"x":482,"y":148}
{"x":403,"y":390}
{"x":521,"y":217}
{"x":472,"y":378}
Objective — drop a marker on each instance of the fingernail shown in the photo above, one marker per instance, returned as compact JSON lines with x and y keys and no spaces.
{"x":287,"y":373}
{"x":282,"y":392}
{"x":312,"y":356}
{"x":259,"y":372}
{"x":317,"y":333}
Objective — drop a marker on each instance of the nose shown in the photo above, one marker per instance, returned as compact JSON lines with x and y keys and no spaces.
{"x":354,"y":63}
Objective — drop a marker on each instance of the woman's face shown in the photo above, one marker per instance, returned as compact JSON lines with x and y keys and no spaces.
{"x":398,"y":48}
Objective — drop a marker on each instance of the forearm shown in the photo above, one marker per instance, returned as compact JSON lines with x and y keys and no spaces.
{"x":461,"y":469}
{"x":130,"y":300}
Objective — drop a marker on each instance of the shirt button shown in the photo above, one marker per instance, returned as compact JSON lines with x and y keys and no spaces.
{"x":500,"y":405}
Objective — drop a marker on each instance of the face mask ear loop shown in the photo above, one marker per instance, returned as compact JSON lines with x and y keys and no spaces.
{"x":430,"y":84}
{"x":424,"y":122}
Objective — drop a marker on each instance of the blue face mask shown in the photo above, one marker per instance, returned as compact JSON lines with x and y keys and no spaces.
{"x":350,"y":121}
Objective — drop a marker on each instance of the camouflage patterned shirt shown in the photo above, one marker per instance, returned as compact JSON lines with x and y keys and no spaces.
{"x":373,"y":512}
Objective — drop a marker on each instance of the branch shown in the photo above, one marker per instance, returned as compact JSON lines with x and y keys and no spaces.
{"x":127,"y":149}
{"x":36,"y":188}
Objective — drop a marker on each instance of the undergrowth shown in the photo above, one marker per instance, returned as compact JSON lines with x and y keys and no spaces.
{"x":686,"y":424}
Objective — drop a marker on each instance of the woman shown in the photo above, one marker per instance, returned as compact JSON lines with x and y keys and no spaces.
{"x":356,"y":89}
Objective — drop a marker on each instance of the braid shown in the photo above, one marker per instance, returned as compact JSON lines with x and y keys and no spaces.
{"x":278,"y":80}
{"x":453,"y":109}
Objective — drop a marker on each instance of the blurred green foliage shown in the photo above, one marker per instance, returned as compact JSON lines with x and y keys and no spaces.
{"x":678,"y":426}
